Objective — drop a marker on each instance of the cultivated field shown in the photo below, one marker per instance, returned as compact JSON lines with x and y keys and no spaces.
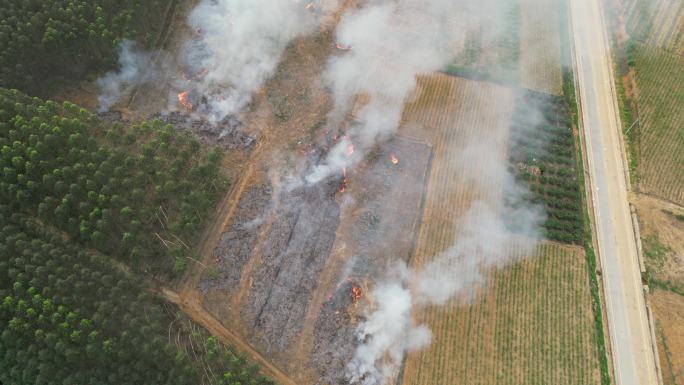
{"x":659,"y":23}
{"x":660,"y":96}
{"x":540,"y":46}
{"x":533,"y":322}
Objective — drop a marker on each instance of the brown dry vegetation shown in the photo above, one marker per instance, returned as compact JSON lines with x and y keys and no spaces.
{"x":522,"y":342}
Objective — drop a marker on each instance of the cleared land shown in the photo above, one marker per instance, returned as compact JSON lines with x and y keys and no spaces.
{"x":658,"y":23}
{"x":533,"y":322}
{"x":531,"y":325}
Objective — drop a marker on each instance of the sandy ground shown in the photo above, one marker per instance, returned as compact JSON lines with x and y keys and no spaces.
{"x":634,"y":359}
{"x":669,"y":313}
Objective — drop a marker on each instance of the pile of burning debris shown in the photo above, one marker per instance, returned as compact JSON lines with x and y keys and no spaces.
{"x":227,"y":132}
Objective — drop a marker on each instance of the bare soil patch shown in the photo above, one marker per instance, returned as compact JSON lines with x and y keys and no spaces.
{"x":659,"y":221}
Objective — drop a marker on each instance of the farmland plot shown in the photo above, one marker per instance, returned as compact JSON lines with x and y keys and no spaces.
{"x":659,"y":23}
{"x":540,"y":48}
{"x":660,"y":97}
{"x":532,"y":322}
{"x":531,"y":325}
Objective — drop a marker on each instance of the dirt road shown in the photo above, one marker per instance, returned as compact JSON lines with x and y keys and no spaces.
{"x":630,"y":337}
{"x":193,"y":309}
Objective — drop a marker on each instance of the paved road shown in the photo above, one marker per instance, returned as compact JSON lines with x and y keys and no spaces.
{"x":633,"y":356}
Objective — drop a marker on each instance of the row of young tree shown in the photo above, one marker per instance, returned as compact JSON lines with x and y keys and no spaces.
{"x":140,"y":194}
{"x":546,"y":148}
{"x":44,"y":40}
{"x":68,"y":316}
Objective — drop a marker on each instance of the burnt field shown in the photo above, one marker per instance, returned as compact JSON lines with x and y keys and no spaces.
{"x":296,"y":260}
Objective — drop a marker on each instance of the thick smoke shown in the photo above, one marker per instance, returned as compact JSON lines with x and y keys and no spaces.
{"x":391,"y":42}
{"x":483,"y":240}
{"x":240,"y":43}
{"x":132,"y":71}
{"x":235,"y":47}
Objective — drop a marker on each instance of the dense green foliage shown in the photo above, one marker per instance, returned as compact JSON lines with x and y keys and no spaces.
{"x":68,"y":317}
{"x":139,"y":194}
{"x":44,"y":40}
{"x":543,"y":155}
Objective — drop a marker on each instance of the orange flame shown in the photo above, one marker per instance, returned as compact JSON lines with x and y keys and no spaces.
{"x":356,"y":293}
{"x":343,"y":187}
{"x":183,"y":100}
{"x":394,"y":159}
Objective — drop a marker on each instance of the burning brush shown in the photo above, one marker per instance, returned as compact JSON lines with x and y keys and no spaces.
{"x":184,"y":101}
{"x":356,"y":293}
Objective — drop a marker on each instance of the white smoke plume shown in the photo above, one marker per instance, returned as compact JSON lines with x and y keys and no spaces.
{"x":236,"y":46}
{"x":241,"y":42}
{"x":483,"y":241}
{"x":391,"y":43}
{"x":131,"y":71}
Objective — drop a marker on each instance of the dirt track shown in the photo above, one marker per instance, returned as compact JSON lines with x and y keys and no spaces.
{"x":634,"y":359}
{"x":192,"y":307}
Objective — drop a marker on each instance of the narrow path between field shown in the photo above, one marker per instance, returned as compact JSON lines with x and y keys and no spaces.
{"x":192,"y":307}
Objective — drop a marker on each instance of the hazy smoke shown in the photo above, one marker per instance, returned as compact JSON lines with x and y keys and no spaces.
{"x":240,"y":43}
{"x":236,"y":47}
{"x":391,"y":42}
{"x":132,"y":66}
{"x":484,"y":240}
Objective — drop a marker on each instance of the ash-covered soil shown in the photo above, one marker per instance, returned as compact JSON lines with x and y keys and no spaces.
{"x":382,"y":230}
{"x":237,"y":244}
{"x":294,"y":252}
{"x":228,"y":133}
{"x":288,"y":262}
{"x":334,"y":335}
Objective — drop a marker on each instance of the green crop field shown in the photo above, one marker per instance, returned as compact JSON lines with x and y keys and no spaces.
{"x":532,"y":324}
{"x":659,"y":135}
